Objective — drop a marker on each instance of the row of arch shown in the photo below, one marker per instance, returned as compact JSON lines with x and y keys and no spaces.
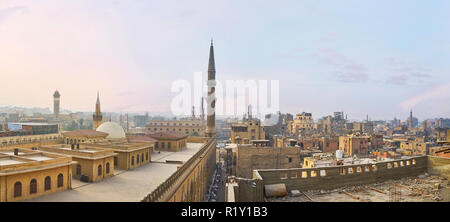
{"x":139,"y":158}
{"x":33,"y":185}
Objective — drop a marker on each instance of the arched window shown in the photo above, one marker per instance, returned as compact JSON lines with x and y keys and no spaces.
{"x":99,"y":170}
{"x":47,"y":183}
{"x":142,"y":157}
{"x":137,"y":159}
{"x":33,"y":186}
{"x":78,"y":173}
{"x":107,"y":168}
{"x":17,"y":189}
{"x":60,"y":180}
{"x":132,"y":160}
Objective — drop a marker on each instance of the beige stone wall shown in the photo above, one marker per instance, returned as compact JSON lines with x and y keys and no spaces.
{"x":175,"y":145}
{"x":7,"y":183}
{"x":125,"y":159}
{"x":251,"y":158}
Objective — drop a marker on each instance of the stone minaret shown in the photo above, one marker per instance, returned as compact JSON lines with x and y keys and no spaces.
{"x":56,"y":97}
{"x":211,"y":100}
{"x":410,"y":119}
{"x":97,"y":117}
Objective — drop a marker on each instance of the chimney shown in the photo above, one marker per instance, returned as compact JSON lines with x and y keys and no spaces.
{"x":16,"y":152}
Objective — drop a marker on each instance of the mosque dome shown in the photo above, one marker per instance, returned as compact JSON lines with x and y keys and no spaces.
{"x":114,"y":130}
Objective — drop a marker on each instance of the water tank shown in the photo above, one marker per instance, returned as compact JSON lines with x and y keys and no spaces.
{"x":338,"y":154}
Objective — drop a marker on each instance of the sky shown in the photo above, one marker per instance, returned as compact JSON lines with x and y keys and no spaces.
{"x":378,"y":58}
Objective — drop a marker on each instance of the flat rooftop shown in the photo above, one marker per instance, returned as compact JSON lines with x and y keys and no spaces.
{"x":423,"y":188}
{"x":4,"y":161}
{"x":125,"y":186}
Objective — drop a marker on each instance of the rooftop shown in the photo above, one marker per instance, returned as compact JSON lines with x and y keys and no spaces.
{"x":126,"y":186}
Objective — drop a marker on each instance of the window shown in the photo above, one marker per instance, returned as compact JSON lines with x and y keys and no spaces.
{"x":99,"y":170}
{"x":33,"y":186}
{"x":78,"y":172}
{"x":146,"y":156}
{"x":169,"y":145}
{"x":156,"y":145}
{"x":107,"y":168}
{"x":162,"y":145}
{"x":115,"y":161}
{"x":47,"y":183}
{"x":142,"y":157}
{"x":60,"y":180}
{"x":132,"y":160}
{"x":290,"y":159}
{"x":17,"y":189}
{"x":137,"y":159}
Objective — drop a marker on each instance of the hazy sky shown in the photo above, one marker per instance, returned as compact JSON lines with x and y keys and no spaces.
{"x":378,"y":57}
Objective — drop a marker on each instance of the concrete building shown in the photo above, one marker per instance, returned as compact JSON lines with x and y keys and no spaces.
{"x":303,"y":121}
{"x":244,"y":133}
{"x":354,"y":145}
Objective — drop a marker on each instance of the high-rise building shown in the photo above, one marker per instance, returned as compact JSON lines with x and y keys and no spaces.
{"x":97,"y":117}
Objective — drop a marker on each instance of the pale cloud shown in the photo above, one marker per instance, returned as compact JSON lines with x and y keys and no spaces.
{"x":6,"y":12}
{"x":439,"y":92}
{"x":346,"y":69}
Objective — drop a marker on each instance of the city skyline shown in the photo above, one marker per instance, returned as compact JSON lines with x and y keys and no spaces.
{"x":365,"y":59}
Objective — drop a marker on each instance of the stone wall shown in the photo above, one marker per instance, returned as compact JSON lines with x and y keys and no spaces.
{"x":439,"y":166}
{"x":334,"y":177}
{"x":251,"y":158}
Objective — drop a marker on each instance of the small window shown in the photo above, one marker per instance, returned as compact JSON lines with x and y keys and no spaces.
{"x":107,"y":168}
{"x":17,"y":189}
{"x":304,"y":174}
{"x":137,"y":159}
{"x":47,"y":183}
{"x":290,"y":159}
{"x":313,"y":173}
{"x":142,"y":157}
{"x":132,"y":160}
{"x":33,"y":186}
{"x":146,"y":155}
{"x":99,"y":170}
{"x":414,"y":161}
{"x":60,"y":180}
{"x":323,"y":173}
{"x":389,"y":165}
{"x":374,"y":167}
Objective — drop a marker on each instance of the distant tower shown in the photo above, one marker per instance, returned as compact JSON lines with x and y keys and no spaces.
{"x":56,"y":97}
{"x":410,"y":119}
{"x":202,"y":115}
{"x":193,"y":112}
{"x":249,"y":112}
{"x":97,"y":117}
{"x":211,"y":100}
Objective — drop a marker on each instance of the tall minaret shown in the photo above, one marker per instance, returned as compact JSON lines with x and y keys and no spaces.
{"x":410,"y":119}
{"x":211,"y":100}
{"x":56,"y":97}
{"x":97,"y":117}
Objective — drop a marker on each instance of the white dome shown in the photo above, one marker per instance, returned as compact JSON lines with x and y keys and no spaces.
{"x":114,"y":130}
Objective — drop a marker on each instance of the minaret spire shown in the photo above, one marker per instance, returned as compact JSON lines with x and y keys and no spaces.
{"x":211,"y":99}
{"x":97,"y":117}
